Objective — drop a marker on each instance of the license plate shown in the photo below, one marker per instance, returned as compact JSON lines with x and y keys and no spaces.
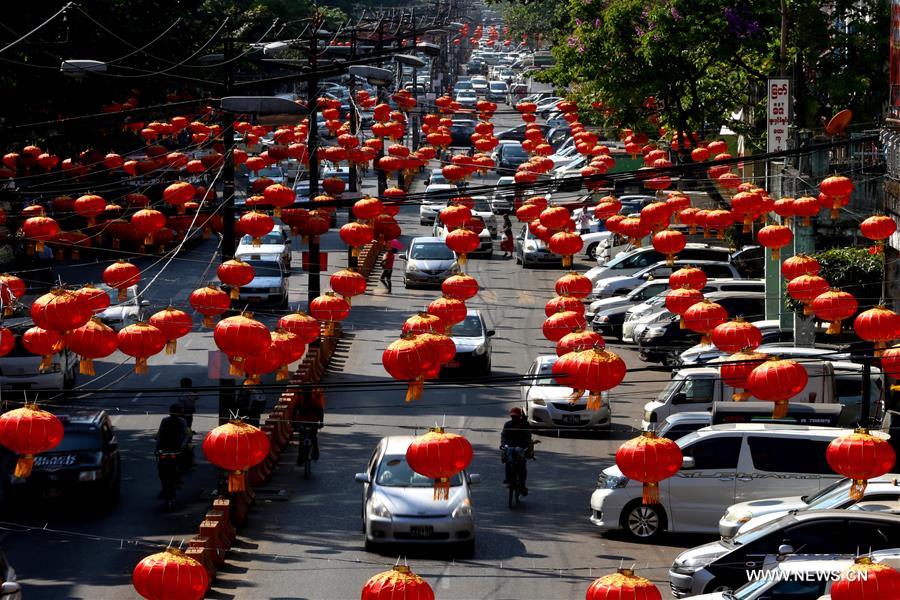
{"x":571,"y":419}
{"x":453,"y":364}
{"x":421,"y":531}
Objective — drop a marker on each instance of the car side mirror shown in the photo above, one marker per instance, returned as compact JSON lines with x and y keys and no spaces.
{"x":474,"y":479}
{"x":362,"y":478}
{"x":8,"y":588}
{"x":491,"y":333}
{"x":402,"y":256}
{"x":785,"y":549}
{"x":679,"y":398}
{"x":688,"y":462}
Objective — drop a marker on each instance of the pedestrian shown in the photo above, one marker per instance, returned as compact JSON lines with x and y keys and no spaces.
{"x":584,"y":220}
{"x":188,"y":401}
{"x":506,"y":244}
{"x":507,"y":225}
{"x":387,"y":266}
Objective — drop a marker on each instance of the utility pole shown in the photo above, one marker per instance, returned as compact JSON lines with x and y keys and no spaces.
{"x":228,"y":241}
{"x":314,"y":284}
{"x":352,"y":261}
{"x":382,"y":176}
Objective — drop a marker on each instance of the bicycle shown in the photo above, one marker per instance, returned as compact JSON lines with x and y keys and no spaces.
{"x":305,"y":453}
{"x":517,"y":472}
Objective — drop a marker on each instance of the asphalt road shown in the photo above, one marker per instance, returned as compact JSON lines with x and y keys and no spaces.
{"x":304,"y":538}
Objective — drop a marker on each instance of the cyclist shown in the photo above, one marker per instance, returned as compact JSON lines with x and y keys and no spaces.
{"x":515,"y":444}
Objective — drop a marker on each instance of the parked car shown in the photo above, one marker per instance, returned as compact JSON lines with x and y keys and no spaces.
{"x":509,"y":156}
{"x":274,"y":243}
{"x":399,"y":505}
{"x":708,"y":483}
{"x":607,"y":315}
{"x":678,"y":425}
{"x":502,"y":202}
{"x":547,"y":404}
{"x":700,"y":355}
{"x":517,"y":133}
{"x":85,"y":462}
{"x":665,"y":341}
{"x":497,"y":91}
{"x":121,"y":312}
{"x":881,"y":495}
{"x":436,"y":197}
{"x":481,"y":208}
{"x":461,"y":131}
{"x":436,"y":177}
{"x":628,"y":263}
{"x":20,"y":369}
{"x":725,"y":564}
{"x":619,"y":285}
{"x":473,"y":344}
{"x":529,"y":250}
{"x":463,"y":86}
{"x":480,"y":85}
{"x":270,"y":281}
{"x":485,"y":243}
{"x":800,"y":577}
{"x":428,"y":262}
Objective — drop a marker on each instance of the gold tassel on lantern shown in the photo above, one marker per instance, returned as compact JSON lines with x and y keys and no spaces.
{"x":46,"y":363}
{"x":328,"y":329}
{"x":737,"y":396}
{"x":879,"y":348}
{"x":670,"y":260}
{"x":806,"y":222}
{"x":720,"y":234}
{"x":234,"y":293}
{"x":25,"y":462}
{"x":236,"y":482}
{"x":706,"y":233}
{"x":252,"y":380}
{"x":140,"y":366}
{"x":283,"y":373}
{"x":567,"y":261}
{"x":354,"y":251}
{"x":461,"y":260}
{"x":575,"y":396}
{"x":705,"y":340}
{"x":650,"y":493}
{"x":148,"y":239}
{"x":781,"y":409}
{"x":776,"y":254}
{"x":834,"y":328}
{"x":277,"y":212}
{"x":857,"y":489}
{"x":595,"y":401}
{"x":349,"y":300}
{"x":748,"y":224}
{"x":807,"y":309}
{"x":234,"y":367}
{"x":257,"y":242}
{"x":208,"y":321}
{"x":681,"y":324}
{"x":692,"y":229}
{"x":835,"y":210}
{"x":416,"y":386}
{"x":86,"y":366}
{"x":441,"y":489}
{"x":75,"y":254}
{"x":171,"y":346}
{"x":207,"y":233}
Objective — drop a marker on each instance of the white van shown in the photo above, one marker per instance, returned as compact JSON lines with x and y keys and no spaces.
{"x":696,"y":389}
{"x":723,"y":465}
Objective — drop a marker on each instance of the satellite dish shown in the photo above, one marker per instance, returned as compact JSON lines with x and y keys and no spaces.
{"x":839,"y":122}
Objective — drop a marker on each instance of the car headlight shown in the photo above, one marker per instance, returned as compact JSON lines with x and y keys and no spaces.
{"x":654,"y":332}
{"x":378,"y":508}
{"x":538,"y":401}
{"x":92,"y":475}
{"x":275,"y":290}
{"x":688,"y":567}
{"x":602,"y":319}
{"x":463,"y":511}
{"x":480,"y":350}
{"x":611,"y":482}
{"x":738,"y":517}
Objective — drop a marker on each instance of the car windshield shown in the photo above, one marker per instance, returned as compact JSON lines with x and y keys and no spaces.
{"x":395,"y":472}
{"x":544,"y":372}
{"x":751,"y":535}
{"x":113,"y":294}
{"x":470,"y":327}
{"x":265,"y":268}
{"x":833,"y":496}
{"x":498,"y":87}
{"x":271,"y":238}
{"x":463,"y":85}
{"x":670,"y":389}
{"x":466,"y":94}
{"x":78,"y":440}
{"x":481,"y":205}
{"x":514,"y":151}
{"x":430,"y":251}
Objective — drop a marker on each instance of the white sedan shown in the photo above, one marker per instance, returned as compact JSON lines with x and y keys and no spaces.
{"x":274,"y":243}
{"x":547,"y":403}
{"x":399,"y":505}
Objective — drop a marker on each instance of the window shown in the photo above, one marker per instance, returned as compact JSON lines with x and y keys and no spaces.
{"x":395,"y":472}
{"x":718,"y":271}
{"x":742,"y":287}
{"x":696,"y":390}
{"x":869,"y":534}
{"x":752,"y":309}
{"x":703,"y":254}
{"x":430,"y":251}
{"x":470,"y":327}
{"x":663,"y":271}
{"x":826,"y":536}
{"x":681,"y":430}
{"x":648,"y":291}
{"x":715,"y":453}
{"x":807,"y":456}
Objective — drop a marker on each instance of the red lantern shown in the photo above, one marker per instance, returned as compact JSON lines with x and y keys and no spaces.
{"x":562,"y":323}
{"x":574,"y":284}
{"x":799,"y":265}
{"x":775,"y":237}
{"x":555,"y":217}
{"x":174,"y":324}
{"x":691,"y":277}
{"x":60,"y":310}
{"x":670,"y":243}
{"x":703,"y":317}
{"x":649,"y":459}
{"x":879,"y":325}
{"x":235,"y":273}
{"x":43,"y":343}
{"x":578,"y":341}
{"x":397,"y":584}
{"x":367,"y":209}
{"x":356,"y":235}
{"x":461,"y":287}
{"x":178,"y":193}
{"x":28,"y":431}
{"x":236,"y":446}
{"x":423,"y":322}
{"x":462,"y":241}
{"x":777,"y":381}
{"x":121,"y":275}
{"x":860,"y":456}
{"x":633,"y":228}
{"x":348,"y":283}
{"x":141,"y":340}
{"x":595,"y":371}
{"x":40,"y":229}
{"x":305,"y":327}
{"x":147,"y":222}
{"x":679,"y":301}
{"x":623,"y":585}
{"x":806,"y":207}
{"x":329,"y":308}
{"x":878,"y":229}
{"x":736,"y":335}
{"x":256,"y":225}
{"x":91,"y":341}
{"x":563,"y":303}
{"x":439,"y":456}
{"x":170,"y":575}
{"x":450,"y":310}
{"x":89,"y":206}
{"x":866,"y":580}
{"x":288,"y":349}
{"x":837,"y":190}
{"x":735,"y":369}
{"x":566,"y":244}
{"x":834,"y":306}
{"x":7,"y":341}
{"x":240,"y":336}
{"x":805,"y":289}
{"x":408,"y":359}
{"x":210,"y":302}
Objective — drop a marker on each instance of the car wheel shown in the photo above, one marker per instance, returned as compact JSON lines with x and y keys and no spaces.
{"x":371,"y":546}
{"x":672,"y":358}
{"x":486,"y":367}
{"x":643,"y":522}
{"x":592,"y":250}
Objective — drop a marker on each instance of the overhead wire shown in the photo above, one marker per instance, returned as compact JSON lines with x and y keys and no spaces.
{"x":49,"y":20}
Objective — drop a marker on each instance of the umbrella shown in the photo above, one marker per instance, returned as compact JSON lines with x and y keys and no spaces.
{"x":397,"y":244}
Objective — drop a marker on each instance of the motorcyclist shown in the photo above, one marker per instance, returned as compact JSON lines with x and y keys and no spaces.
{"x":308,"y":419}
{"x":172,"y":439}
{"x":515,"y":442}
